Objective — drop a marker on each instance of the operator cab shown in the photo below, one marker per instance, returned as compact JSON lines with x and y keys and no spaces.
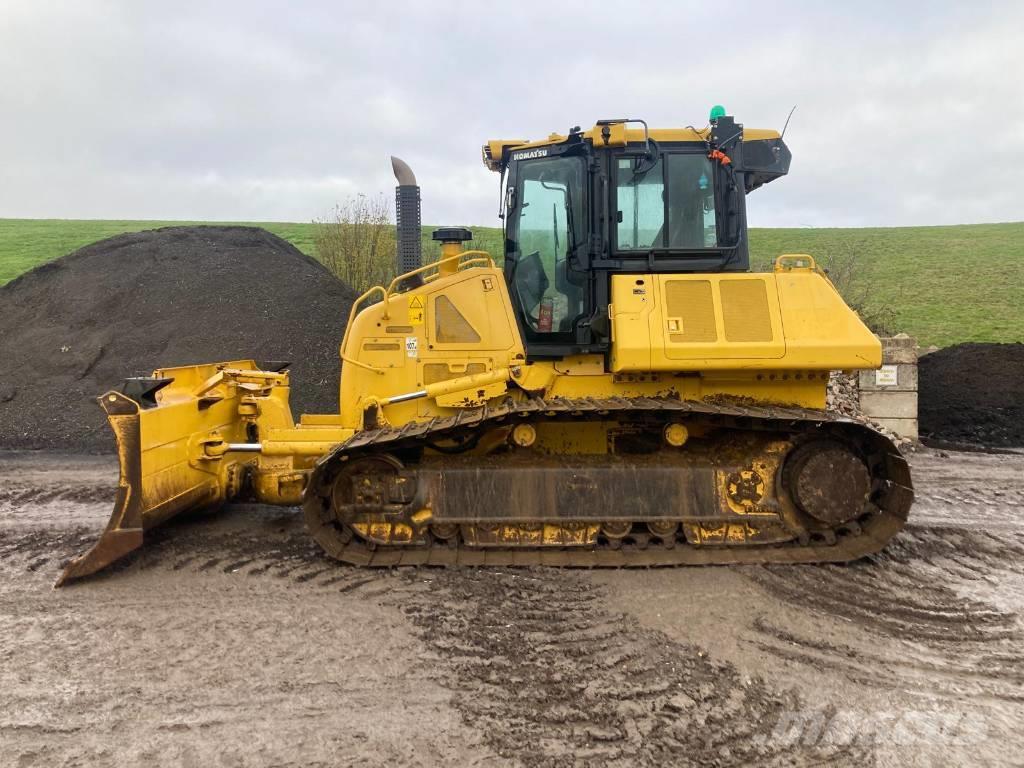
{"x":621,"y":198}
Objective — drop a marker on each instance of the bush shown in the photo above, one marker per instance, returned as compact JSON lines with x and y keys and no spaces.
{"x":357,"y":242}
{"x":844,"y":270}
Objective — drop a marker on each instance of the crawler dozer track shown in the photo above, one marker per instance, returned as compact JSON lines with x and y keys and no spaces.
{"x":746,"y":484}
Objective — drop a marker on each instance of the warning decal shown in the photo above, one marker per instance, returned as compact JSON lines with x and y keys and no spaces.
{"x":416,"y":310}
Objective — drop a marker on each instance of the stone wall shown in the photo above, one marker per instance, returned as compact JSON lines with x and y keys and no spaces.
{"x":888,"y":396}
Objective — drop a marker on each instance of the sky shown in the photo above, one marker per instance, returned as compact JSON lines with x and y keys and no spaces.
{"x":907,"y":113}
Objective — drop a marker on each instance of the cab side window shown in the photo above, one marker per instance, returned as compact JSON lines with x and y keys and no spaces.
{"x":640,"y":191}
{"x":678,"y":190}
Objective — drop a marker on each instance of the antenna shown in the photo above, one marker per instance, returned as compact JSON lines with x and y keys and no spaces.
{"x":783,"y":134}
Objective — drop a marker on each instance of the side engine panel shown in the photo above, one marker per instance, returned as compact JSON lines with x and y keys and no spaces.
{"x":791,"y":320}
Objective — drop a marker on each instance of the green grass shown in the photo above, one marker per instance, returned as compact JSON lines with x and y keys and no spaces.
{"x":27,"y":243}
{"x":943,"y":284}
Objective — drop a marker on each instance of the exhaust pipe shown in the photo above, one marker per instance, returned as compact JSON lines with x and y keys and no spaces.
{"x":407,"y":217}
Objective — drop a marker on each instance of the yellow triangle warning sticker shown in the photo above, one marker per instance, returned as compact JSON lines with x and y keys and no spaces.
{"x":416,"y":302}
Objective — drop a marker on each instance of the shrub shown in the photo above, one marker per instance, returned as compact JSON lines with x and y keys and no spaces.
{"x":357,"y":241}
{"x":844,"y":269}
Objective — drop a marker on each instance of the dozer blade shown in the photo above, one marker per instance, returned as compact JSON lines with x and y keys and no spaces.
{"x":164,"y":470}
{"x":123,"y":533}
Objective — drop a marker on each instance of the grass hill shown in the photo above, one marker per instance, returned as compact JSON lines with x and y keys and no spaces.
{"x":943,"y":285}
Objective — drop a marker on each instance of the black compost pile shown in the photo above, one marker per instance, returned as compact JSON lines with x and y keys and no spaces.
{"x":973,"y":393}
{"x":75,"y":327}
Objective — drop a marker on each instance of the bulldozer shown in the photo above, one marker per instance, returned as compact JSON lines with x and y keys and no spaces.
{"x":620,"y":389}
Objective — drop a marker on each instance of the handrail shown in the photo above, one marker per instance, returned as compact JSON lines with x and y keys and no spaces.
{"x":354,"y":311}
{"x":789,"y":261}
{"x":803,"y":262}
{"x":476,"y":260}
{"x":478,"y":255}
{"x":432,"y":265}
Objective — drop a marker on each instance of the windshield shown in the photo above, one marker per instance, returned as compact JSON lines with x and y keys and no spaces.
{"x":545,"y":224}
{"x":678,"y":189}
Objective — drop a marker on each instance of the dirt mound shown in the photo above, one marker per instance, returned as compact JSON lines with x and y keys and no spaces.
{"x":973,"y":393}
{"x":77,"y":326}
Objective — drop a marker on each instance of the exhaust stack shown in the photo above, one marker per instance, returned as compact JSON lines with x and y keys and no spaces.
{"x":407,"y":218}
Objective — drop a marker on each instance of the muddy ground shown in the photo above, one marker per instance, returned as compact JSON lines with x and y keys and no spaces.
{"x":230,"y":641}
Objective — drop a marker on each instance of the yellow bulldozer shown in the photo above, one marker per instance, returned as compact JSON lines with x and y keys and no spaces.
{"x":619,"y":390}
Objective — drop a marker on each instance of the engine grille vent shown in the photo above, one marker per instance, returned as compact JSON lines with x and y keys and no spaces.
{"x":745,"y":310}
{"x":693,"y":304}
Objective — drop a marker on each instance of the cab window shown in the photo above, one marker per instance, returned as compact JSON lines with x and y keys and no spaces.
{"x":546,"y":225}
{"x":669,"y":203}
{"x":640,"y":189}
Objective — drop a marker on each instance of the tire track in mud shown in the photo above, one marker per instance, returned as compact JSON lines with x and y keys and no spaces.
{"x":534,"y":661}
{"x":537,"y":665}
{"x":37,"y":547}
{"x":84,"y":494}
{"x":929,"y":596}
{"x":198,"y":547}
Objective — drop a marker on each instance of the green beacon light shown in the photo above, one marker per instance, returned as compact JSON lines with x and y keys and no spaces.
{"x":717,"y":111}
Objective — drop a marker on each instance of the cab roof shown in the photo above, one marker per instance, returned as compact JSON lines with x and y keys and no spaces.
{"x":612,"y":134}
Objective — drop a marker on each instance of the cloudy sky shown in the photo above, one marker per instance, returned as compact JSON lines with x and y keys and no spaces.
{"x":907,"y":113}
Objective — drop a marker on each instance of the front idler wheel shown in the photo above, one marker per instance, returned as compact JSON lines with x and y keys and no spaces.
{"x":828,"y":480}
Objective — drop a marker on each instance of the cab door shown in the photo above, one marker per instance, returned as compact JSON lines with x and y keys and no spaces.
{"x":546,"y":225}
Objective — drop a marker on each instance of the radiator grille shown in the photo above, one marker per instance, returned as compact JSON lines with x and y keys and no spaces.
{"x":692,"y":303}
{"x":745,"y":310}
